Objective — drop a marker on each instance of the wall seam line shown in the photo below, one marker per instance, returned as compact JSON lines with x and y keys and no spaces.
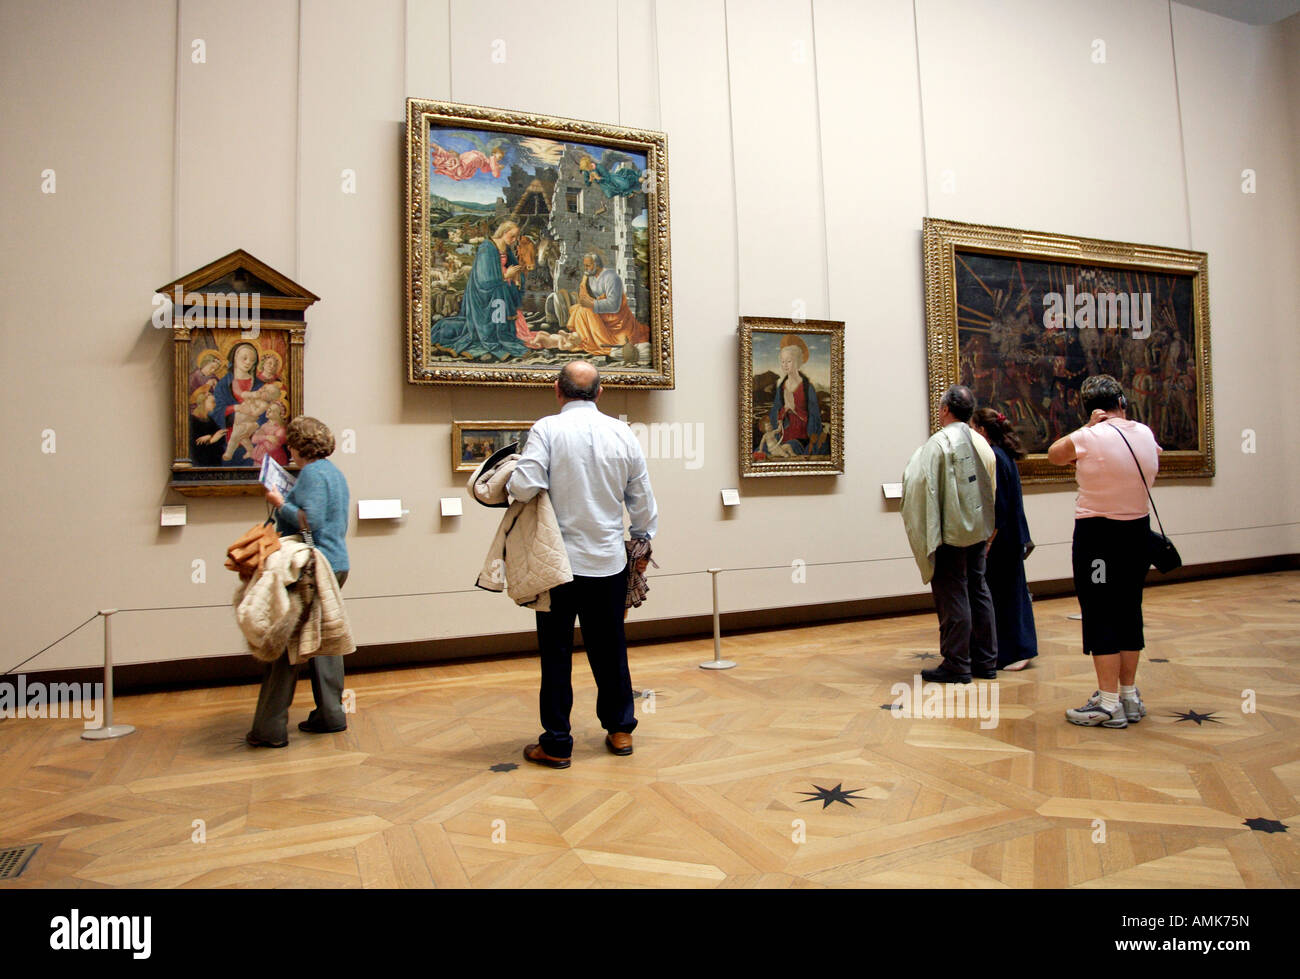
{"x":659,"y":89}
{"x":1182,"y":142}
{"x":176,"y":151}
{"x":618,"y":57}
{"x":821,"y":161}
{"x":920,"y":102}
{"x":297,"y":159}
{"x":731,"y":135}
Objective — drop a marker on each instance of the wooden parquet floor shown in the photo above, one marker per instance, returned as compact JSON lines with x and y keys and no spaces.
{"x":719,"y":791}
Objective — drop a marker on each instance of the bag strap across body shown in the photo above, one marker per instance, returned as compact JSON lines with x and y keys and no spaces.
{"x":1144,"y":482}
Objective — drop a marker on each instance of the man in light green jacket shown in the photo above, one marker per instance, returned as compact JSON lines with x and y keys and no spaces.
{"x":948,"y":509}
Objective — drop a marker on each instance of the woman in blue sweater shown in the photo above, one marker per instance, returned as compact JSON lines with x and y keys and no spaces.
{"x":321,"y":493}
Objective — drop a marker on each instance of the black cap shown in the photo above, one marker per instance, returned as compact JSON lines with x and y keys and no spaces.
{"x":491,"y":462}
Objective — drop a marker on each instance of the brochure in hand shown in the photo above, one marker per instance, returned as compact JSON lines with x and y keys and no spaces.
{"x":275,"y":476}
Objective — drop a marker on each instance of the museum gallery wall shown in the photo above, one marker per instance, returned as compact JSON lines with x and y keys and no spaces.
{"x":807,"y":144}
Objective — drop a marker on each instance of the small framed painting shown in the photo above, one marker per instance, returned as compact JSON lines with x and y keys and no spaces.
{"x":791,"y":397}
{"x":473,"y":442}
{"x":238,"y":328}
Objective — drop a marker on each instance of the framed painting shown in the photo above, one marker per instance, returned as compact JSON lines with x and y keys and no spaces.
{"x":791,"y":397}
{"x":1024,"y":317}
{"x":474,"y":442}
{"x":532,"y":241}
{"x":238,"y":328}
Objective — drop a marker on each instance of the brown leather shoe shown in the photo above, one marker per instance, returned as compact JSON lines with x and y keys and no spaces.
{"x":537,"y":756}
{"x":619,"y":743}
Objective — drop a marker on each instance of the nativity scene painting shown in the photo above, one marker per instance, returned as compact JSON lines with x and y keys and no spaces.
{"x":534,"y":241}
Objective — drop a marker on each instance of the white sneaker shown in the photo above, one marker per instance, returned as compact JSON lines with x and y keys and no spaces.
{"x":1092,"y":714}
{"x":1134,"y":709}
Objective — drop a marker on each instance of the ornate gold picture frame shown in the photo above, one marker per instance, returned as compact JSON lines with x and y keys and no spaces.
{"x":1024,"y":317}
{"x":238,"y":327}
{"x":791,"y":397}
{"x":472,"y":442}
{"x":532,"y":241}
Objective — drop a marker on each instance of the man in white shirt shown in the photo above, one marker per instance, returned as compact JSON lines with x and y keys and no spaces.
{"x":592,"y":466}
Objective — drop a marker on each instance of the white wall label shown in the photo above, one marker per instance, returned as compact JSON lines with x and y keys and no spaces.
{"x":892,"y":491}
{"x":451,"y":506}
{"x":173,"y":516}
{"x":731,"y":497}
{"x":379,"y":509}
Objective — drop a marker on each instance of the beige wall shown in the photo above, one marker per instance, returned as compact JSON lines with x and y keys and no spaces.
{"x":806,"y":143}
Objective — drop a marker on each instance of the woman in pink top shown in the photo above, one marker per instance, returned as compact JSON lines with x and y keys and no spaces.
{"x":1110,"y":553}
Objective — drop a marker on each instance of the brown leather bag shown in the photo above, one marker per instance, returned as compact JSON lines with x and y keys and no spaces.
{"x":247,"y":555}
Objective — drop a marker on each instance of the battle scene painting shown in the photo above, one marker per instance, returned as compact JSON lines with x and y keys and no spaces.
{"x":1017,"y":364}
{"x":1024,"y":329}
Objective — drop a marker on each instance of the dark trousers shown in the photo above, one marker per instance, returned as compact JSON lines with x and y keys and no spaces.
{"x":967,"y":634}
{"x":271,"y":719}
{"x":596,"y":603}
{"x":1111,"y":561}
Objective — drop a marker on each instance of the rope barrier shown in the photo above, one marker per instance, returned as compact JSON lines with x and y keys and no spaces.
{"x":670,"y":574}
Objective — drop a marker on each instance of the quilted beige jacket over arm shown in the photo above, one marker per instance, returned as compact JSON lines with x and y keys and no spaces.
{"x":269,"y":609}
{"x":527,"y":557}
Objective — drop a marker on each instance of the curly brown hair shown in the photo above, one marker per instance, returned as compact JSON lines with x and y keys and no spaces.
{"x":311,"y":438}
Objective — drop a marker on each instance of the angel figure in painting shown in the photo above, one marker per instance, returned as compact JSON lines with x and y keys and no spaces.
{"x":623,"y":182}
{"x":270,"y":438}
{"x":795,"y":411}
{"x":463,"y":166}
{"x":205,"y":376}
{"x":269,"y":367}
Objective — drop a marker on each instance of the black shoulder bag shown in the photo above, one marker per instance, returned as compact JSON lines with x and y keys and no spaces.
{"x":1163,"y":555}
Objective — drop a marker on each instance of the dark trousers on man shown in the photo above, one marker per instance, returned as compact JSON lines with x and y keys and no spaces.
{"x":597,"y":604}
{"x":967,"y":633}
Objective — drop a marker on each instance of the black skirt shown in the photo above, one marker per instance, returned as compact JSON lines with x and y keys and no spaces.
{"x":1110,"y":560}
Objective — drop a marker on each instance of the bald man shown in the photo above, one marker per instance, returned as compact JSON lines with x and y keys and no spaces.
{"x":593,"y":467}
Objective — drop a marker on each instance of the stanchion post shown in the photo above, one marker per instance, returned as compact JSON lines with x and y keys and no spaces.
{"x":108,"y":729}
{"x":717,"y":663}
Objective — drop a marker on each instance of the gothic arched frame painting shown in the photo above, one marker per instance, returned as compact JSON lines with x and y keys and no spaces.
{"x":533,"y":241}
{"x":1023,"y":317}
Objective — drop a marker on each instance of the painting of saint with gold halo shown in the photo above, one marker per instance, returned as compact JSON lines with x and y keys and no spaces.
{"x":792,"y":394}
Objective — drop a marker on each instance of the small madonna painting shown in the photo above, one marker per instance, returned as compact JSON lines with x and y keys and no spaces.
{"x":792,"y":397}
{"x":239,"y":399}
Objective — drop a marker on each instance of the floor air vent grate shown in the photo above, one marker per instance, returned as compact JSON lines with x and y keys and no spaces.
{"x":13,"y":860}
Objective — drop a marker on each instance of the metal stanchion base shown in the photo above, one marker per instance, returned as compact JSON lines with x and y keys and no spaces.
{"x":104,"y":733}
{"x":717,"y":664}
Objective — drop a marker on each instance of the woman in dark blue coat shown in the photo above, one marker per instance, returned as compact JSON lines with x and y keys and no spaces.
{"x":1005,"y":566}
